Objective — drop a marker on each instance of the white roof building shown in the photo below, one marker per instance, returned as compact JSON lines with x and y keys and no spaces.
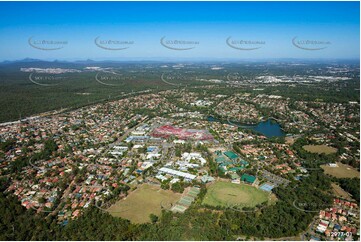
{"x":161,"y":177}
{"x":151,"y":156}
{"x":188,"y":156}
{"x":177,"y":173}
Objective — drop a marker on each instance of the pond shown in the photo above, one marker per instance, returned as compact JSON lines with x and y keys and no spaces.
{"x":269,"y":128}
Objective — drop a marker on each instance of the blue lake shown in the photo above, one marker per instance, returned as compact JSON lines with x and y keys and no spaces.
{"x":269,"y":128}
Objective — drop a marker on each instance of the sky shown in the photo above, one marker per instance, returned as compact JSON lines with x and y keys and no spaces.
{"x":205,"y":30}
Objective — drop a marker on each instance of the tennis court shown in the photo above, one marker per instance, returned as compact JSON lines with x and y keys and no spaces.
{"x":267,"y":187}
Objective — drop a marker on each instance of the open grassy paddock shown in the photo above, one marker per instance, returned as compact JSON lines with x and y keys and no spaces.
{"x":139,"y":204}
{"x":339,"y":192}
{"x":236,"y":195}
{"x":319,"y":149}
{"x":342,"y":171}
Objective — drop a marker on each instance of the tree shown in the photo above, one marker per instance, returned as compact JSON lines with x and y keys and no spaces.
{"x":153,"y":218}
{"x":351,"y":185}
{"x":165,"y":186}
{"x":177,"y":187}
{"x":42,"y":200}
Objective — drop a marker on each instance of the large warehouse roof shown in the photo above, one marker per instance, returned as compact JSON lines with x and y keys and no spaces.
{"x":177,"y":173}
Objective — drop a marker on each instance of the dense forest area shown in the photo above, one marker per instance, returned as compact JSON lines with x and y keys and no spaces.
{"x":352,"y":186}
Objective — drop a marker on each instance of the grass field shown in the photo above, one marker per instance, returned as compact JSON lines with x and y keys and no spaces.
{"x":229,"y":194}
{"x":342,"y":171}
{"x":319,"y":149}
{"x":142,"y":202}
{"x":339,"y":192}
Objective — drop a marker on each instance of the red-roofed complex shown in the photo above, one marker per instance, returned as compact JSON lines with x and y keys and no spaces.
{"x":195,"y":134}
